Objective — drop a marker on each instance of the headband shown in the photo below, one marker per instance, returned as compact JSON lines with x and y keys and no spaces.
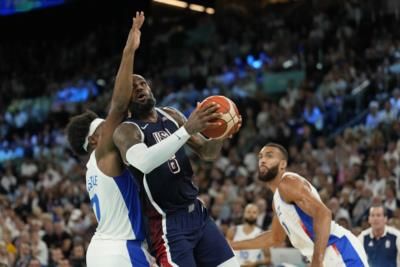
{"x":93,"y":126}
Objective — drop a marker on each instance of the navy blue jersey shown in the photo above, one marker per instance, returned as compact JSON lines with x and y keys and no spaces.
{"x":170,"y":185}
{"x":384,"y":251}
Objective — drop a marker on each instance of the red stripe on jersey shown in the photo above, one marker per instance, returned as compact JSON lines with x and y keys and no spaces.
{"x":158,"y":244}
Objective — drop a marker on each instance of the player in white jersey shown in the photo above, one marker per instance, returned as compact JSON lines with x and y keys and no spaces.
{"x":112,"y":189}
{"x":247,"y":230}
{"x":300,"y":215}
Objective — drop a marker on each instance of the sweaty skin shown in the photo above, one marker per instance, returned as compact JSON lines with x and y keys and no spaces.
{"x":292,"y":189}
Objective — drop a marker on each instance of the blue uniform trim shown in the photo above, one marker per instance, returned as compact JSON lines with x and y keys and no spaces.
{"x":308,"y":223}
{"x":136,"y":254}
{"x":349,"y":254}
{"x":130,"y":193}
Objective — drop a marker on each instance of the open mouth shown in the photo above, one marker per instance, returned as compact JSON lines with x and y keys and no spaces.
{"x":141,"y":97}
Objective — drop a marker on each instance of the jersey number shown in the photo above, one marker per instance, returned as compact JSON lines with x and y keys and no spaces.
{"x":174,"y":165}
{"x":172,"y":162}
{"x":96,"y":206}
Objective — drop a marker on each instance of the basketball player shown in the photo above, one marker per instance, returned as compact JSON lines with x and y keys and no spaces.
{"x":180,"y":230}
{"x":300,"y":214}
{"x":112,"y":189}
{"x":247,"y":230}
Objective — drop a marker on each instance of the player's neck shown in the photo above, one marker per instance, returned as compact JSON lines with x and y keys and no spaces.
{"x":248,"y":228}
{"x":151,"y":116}
{"x":378,"y":233}
{"x":273,"y":185}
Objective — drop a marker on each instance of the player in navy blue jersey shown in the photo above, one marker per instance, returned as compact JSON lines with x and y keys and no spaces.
{"x":180,"y":231}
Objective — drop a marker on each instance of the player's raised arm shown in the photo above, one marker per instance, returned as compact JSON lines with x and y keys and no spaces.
{"x":271,"y":238}
{"x":129,"y":140}
{"x":206,"y":149}
{"x":122,"y":87}
{"x":294,"y":190}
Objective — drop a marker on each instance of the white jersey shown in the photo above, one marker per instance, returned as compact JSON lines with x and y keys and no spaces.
{"x":115,"y":201}
{"x":250,"y":255}
{"x":299,"y":228}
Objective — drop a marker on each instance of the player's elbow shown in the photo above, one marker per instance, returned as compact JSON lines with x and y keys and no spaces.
{"x":144,"y":170}
{"x":140,"y":164}
{"x":324,"y":213}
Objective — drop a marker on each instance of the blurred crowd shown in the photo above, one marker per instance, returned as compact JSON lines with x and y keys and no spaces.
{"x":341,"y":124}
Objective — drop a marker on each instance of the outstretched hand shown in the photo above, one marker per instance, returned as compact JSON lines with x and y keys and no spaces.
{"x":134,"y":34}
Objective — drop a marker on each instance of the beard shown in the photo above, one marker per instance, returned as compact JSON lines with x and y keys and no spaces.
{"x":141,"y":109}
{"x":270,"y":175}
{"x":250,"y":221}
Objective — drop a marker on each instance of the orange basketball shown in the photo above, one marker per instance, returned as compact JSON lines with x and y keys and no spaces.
{"x":229,"y":119}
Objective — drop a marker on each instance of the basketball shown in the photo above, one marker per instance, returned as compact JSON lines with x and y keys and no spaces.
{"x":229,"y":119}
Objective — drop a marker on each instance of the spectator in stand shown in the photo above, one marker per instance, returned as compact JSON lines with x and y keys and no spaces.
{"x":381,"y":242}
{"x":78,"y":257}
{"x":39,"y":248}
{"x":4,"y":256}
{"x":391,"y":201}
{"x":388,"y":114}
{"x":24,"y":255}
{"x":373,"y":118}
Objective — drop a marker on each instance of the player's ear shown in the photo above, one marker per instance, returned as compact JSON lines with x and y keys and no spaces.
{"x":283,"y":164}
{"x":93,"y":140}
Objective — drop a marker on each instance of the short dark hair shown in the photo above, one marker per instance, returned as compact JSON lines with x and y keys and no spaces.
{"x":281,"y":149}
{"x":380,"y":205}
{"x":77,"y":129}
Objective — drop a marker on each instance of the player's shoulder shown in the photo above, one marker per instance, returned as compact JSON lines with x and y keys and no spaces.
{"x":127,"y":127}
{"x":289,"y":180}
{"x":366,"y":232}
{"x":174,"y":113}
{"x":169,"y":109}
{"x":292,"y":187}
{"x":126,"y":130}
{"x":292,"y":175}
{"x":393,"y":231}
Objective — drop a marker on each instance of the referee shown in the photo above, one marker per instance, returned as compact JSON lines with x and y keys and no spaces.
{"x":381,"y":242}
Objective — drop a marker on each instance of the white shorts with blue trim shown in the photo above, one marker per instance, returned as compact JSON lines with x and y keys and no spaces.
{"x":346,"y":252}
{"x":121,"y":253}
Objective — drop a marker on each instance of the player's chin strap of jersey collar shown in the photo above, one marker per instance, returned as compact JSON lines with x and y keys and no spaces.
{"x":93,"y":126}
